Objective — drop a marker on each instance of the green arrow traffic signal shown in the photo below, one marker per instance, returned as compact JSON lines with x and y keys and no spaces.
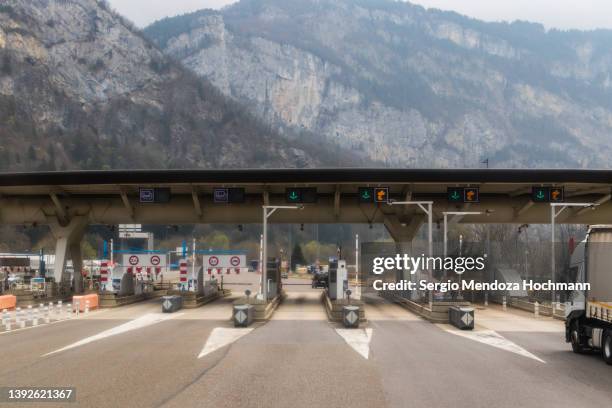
{"x":540,"y":194}
{"x":293,"y":195}
{"x":455,"y":195}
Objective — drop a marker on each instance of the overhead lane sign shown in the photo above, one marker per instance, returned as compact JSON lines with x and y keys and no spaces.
{"x":547,"y":194}
{"x":301,"y":195}
{"x":373,"y":194}
{"x":463,"y":194}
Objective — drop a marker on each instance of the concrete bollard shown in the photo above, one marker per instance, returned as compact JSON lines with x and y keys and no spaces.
{"x":504,"y":304}
{"x":7,"y":325}
{"x":6,"y":320}
{"x":77,"y":308}
{"x":48,"y":313}
{"x":68,"y":311}
{"x":87,"y":307}
{"x":60,"y":310}
{"x":51,"y":311}
{"x":19,"y":318}
{"x":35,"y":313}
{"x":486,"y":303}
{"x":30,"y":315}
{"x":536,"y":309}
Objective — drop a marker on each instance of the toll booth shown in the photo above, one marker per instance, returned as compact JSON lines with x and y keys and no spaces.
{"x":274,"y":283}
{"x":338,"y":279}
{"x":122,"y":282}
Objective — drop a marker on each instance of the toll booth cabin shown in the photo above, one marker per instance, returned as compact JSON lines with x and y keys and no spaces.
{"x":274,"y":282}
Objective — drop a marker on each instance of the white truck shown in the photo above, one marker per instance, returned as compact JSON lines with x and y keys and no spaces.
{"x":588,"y":322}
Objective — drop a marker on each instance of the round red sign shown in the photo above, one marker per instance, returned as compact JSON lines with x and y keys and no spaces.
{"x":213,"y":261}
{"x":155,"y":260}
{"x":235,"y":261}
{"x":133,"y":260}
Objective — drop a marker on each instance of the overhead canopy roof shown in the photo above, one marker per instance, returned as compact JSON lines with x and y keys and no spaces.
{"x":421,"y":181}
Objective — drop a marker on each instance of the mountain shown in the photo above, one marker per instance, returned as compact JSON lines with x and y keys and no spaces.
{"x":80,"y":88}
{"x":407,"y":86}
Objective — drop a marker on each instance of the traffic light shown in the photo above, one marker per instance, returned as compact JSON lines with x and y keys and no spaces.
{"x":366,"y":195}
{"x":556,"y":195}
{"x":228,"y":195}
{"x":293,"y":195}
{"x":455,"y":195}
{"x":471,"y":195}
{"x":301,"y":195}
{"x":381,"y":194}
{"x":540,"y":194}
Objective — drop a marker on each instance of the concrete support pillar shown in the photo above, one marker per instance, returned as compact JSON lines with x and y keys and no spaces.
{"x":68,"y":242}
{"x":77,"y":264}
{"x":403,"y":230}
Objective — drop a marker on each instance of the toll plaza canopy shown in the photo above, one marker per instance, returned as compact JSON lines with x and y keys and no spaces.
{"x":347,"y":195}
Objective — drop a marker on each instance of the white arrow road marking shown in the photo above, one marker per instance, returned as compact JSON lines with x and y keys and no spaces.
{"x":358,"y":339}
{"x":143,"y":321}
{"x":221,"y":337}
{"x":494,"y":339}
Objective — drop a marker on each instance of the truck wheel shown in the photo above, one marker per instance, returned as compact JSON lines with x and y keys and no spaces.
{"x":606,"y":350}
{"x":577,"y":347}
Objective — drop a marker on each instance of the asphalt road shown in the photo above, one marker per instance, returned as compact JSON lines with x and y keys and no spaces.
{"x":299,"y":359}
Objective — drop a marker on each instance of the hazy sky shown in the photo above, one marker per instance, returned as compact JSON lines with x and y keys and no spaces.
{"x":582,"y":14}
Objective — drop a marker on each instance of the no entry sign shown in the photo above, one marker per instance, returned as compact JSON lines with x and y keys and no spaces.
{"x":224,"y":261}
{"x":145,"y":260}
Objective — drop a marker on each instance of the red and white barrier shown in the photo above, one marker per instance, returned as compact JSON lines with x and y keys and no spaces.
{"x":183,"y":271}
{"x":219,"y":271}
{"x":105,"y":279}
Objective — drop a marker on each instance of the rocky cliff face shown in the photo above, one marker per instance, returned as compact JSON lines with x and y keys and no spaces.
{"x":409,"y":87}
{"x":80,"y":88}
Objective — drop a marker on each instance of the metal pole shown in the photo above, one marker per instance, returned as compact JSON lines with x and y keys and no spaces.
{"x":264,"y":255}
{"x":430,"y":243}
{"x":193,"y":260}
{"x":553,"y":215}
{"x":445,"y":234}
{"x":357,"y":283}
{"x":111,"y":251}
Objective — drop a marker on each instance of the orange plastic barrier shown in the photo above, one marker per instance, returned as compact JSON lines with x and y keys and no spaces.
{"x":8,"y":302}
{"x":93,"y":302}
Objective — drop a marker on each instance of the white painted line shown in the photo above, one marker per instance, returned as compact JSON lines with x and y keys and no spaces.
{"x":358,"y":339}
{"x":494,"y":339}
{"x":221,"y":337}
{"x":139,"y":323}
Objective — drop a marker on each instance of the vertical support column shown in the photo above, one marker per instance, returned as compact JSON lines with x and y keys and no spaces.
{"x":68,"y":238}
{"x":77,"y":265}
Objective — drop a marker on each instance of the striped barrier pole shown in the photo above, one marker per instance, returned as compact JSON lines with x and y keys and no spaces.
{"x":504,"y":304}
{"x":87,"y":307}
{"x":48,"y":313}
{"x":183,"y":273}
{"x":60,"y":310}
{"x":104,"y":278}
{"x":77,"y":308}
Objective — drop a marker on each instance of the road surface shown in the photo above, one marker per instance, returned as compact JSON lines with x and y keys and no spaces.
{"x":134,"y":356}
